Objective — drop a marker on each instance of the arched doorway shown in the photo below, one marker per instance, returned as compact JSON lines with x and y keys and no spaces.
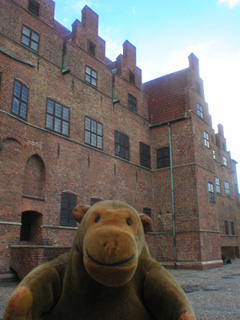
{"x":31,"y":227}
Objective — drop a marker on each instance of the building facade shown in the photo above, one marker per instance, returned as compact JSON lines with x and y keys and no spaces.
{"x":76,"y":127}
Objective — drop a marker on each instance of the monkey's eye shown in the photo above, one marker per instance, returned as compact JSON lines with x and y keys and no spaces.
{"x":97,"y":218}
{"x":129,"y":223}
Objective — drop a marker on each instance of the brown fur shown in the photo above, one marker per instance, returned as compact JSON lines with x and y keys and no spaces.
{"x":109,"y":274}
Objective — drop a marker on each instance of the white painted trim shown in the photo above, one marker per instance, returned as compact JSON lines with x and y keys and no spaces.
{"x":18,"y":224}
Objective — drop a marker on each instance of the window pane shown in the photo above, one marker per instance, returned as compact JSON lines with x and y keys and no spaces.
{"x":35,"y":36}
{"x":24,"y":94}
{"x":99,"y":129}
{"x":25,"y":40}
{"x":49,"y":122}
{"x":50,"y":106}
{"x":99,"y":142}
{"x":88,"y":70}
{"x":57,"y":125}
{"x":65,"y":128}
{"x":93,"y":139}
{"x":58,"y":110}
{"x":23,"y":110}
{"x":93,"y":126}
{"x":15,"y":106}
{"x":88,"y":78}
{"x":26,"y":31}
{"x":34,"y":46}
{"x":94,"y":74}
{"x":87,"y":124}
{"x":17,"y":89}
{"x":94,"y":82}
{"x":66,"y":114}
{"x":87,"y":137}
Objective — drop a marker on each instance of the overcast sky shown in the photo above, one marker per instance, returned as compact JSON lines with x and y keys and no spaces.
{"x":165,"y":32}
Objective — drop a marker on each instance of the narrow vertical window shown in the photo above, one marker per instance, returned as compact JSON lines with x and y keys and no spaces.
{"x":132,"y":102}
{"x":211,"y":192}
{"x":132,"y":77}
{"x":91,"y":76}
{"x":68,"y":202}
{"x":57,"y":117}
{"x":20,"y":100}
{"x":206,"y":139}
{"x":226,"y":227}
{"x":232,"y":228}
{"x":214,"y":154}
{"x":217,"y":185}
{"x":91,"y":48}
{"x":145,"y":156}
{"x":93,"y":133}
{"x":200,"y":111}
{"x":122,"y":145}
{"x":224,"y":161}
{"x":227,"y":188}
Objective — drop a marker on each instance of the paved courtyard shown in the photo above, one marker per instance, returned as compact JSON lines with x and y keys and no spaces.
{"x":214,"y":294}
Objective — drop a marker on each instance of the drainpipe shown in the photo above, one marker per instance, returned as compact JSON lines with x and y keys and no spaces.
{"x":172,"y":193}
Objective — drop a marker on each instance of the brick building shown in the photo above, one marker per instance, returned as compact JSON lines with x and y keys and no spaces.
{"x":76,"y":127}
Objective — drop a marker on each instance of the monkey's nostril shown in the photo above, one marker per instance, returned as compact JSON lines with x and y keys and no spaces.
{"x":105,"y":244}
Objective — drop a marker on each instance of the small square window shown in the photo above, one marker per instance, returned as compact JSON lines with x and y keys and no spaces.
{"x":163,"y":158}
{"x":91,"y":76}
{"x":30,"y":38}
{"x":34,"y":7}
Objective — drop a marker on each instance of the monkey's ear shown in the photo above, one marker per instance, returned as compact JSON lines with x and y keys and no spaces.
{"x":79,"y":212}
{"x":146,"y":222}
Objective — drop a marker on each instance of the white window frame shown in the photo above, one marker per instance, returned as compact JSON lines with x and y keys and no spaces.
{"x":227,"y":188}
{"x":199,"y":111}
{"x":224,"y":161}
{"x":206,"y":139}
{"x":217,"y":185}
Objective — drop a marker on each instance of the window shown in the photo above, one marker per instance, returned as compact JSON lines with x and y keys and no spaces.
{"x":91,"y":48}
{"x":232,"y":228}
{"x":30,"y":38}
{"x":224,"y":161}
{"x":198,"y":88}
{"x":206,"y":139}
{"x":132,"y":102}
{"x":93,"y":133}
{"x":33,"y":7}
{"x":217,"y":185}
{"x":57,"y":118}
{"x":68,"y":202}
{"x":132,"y":77}
{"x":214,"y":155}
{"x":200,"y":111}
{"x":20,"y":100}
{"x":163,"y":158}
{"x":91,"y":76}
{"x":147,"y":211}
{"x":226,"y":227}
{"x":211,"y":192}
{"x":122,"y":145}
{"x":227,"y":189}
{"x":145,"y":157}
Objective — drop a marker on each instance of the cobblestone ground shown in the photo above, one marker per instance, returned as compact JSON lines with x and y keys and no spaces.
{"x":214,"y":294}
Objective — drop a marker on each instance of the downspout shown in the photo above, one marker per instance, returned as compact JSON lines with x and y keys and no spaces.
{"x":172,"y":194}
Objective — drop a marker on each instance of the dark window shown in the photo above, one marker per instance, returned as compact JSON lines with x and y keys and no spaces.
{"x":211,"y":192}
{"x":198,"y":88}
{"x":91,"y":76}
{"x":122,"y":145}
{"x":132,"y":102}
{"x":200,"y":111}
{"x":20,"y":100}
{"x":147,"y":211}
{"x":226,"y":227}
{"x":30,"y":38}
{"x":26,"y":221}
{"x":33,"y":7}
{"x":145,"y":157}
{"x":94,"y":200}
{"x":91,"y":48}
{"x":57,"y":118}
{"x":163,"y":158}
{"x":232,"y":228}
{"x":93,"y":133}
{"x":68,"y":202}
{"x":131,"y":77}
